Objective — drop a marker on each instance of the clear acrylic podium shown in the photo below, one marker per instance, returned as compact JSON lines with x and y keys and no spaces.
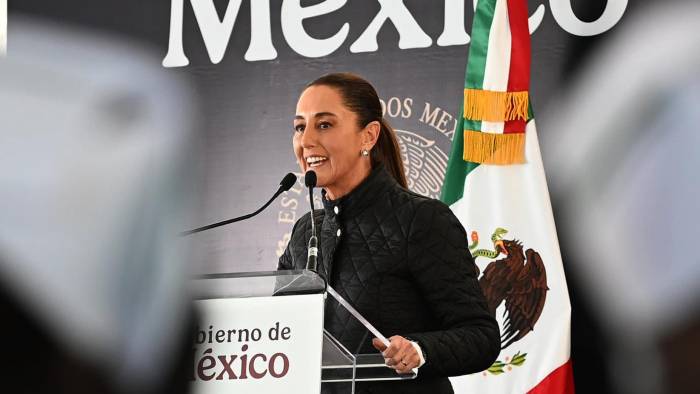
{"x":340,"y":368}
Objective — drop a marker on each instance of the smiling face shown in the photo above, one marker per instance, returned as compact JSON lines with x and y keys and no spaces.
{"x":328,"y":140}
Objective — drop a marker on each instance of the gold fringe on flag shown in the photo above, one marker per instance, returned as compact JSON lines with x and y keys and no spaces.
{"x":491,"y":148}
{"x":495,"y":106}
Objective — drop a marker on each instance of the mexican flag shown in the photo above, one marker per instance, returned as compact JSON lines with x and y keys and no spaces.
{"x":495,"y":184}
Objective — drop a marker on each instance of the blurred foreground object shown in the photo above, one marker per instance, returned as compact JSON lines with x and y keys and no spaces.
{"x":95,"y":157}
{"x":3,"y":27}
{"x":623,"y":168}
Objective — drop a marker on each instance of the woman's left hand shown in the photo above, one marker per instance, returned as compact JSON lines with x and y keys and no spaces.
{"x":400,"y":354}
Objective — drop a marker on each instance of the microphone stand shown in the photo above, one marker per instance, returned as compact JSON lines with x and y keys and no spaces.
{"x":285,"y":185}
{"x":311,"y":261}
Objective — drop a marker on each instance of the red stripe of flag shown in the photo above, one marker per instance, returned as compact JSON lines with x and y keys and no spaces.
{"x":559,"y":381}
{"x":519,"y":73}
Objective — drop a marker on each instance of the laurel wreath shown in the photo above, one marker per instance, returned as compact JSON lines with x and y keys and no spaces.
{"x":498,"y":366}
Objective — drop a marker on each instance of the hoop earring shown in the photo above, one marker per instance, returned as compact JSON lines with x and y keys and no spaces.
{"x":364,"y":152}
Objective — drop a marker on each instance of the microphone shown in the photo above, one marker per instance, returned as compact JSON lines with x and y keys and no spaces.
{"x":311,"y":260}
{"x":286,"y":184}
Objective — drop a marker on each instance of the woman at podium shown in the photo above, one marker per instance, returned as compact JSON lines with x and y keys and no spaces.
{"x":401,"y":259}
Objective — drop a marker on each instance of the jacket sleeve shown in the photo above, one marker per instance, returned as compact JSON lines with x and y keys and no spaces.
{"x":444,"y":271}
{"x":286,"y":262}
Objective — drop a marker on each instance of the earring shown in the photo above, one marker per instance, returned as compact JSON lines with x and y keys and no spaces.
{"x":365,"y":152}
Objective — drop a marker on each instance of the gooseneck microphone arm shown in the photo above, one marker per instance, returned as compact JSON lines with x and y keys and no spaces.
{"x":311,"y":260}
{"x":286,"y":184}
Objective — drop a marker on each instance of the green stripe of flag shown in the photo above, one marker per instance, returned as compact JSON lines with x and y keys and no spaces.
{"x":457,"y":168}
{"x":481,"y":28}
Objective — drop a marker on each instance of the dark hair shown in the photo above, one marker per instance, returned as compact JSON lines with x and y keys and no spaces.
{"x":361,"y":98}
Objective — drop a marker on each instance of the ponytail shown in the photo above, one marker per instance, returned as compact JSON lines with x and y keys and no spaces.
{"x":388,"y":151}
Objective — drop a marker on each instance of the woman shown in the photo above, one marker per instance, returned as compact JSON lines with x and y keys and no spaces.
{"x":401,"y":259}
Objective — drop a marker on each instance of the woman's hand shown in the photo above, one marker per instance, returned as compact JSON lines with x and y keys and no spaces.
{"x":401,"y":355}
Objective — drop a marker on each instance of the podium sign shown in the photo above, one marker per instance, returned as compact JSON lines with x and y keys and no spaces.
{"x":258,"y":345}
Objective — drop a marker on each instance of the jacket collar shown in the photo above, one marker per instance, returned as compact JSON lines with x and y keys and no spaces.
{"x":361,"y":196}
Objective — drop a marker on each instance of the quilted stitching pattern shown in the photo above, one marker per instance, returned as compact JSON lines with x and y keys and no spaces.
{"x":402,"y":260}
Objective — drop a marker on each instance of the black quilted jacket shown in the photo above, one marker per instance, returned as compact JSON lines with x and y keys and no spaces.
{"x":402,"y":260}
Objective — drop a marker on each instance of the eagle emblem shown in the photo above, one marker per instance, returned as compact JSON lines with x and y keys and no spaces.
{"x":424,"y":162}
{"x":519,"y":280}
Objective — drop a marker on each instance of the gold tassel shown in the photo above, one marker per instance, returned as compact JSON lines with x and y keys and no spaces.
{"x":491,"y":148}
{"x":495,"y":106}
